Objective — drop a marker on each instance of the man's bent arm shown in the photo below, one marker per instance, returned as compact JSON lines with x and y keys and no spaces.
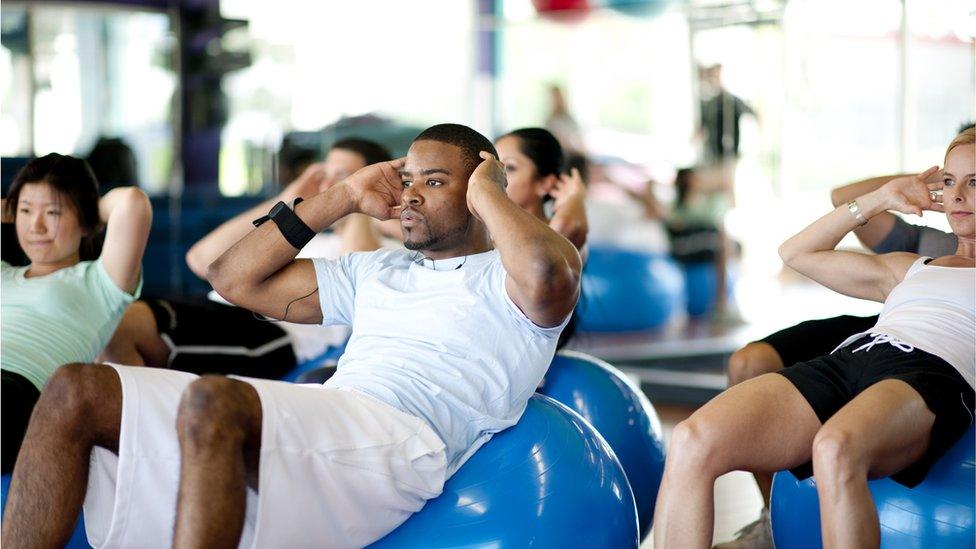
{"x":260,"y":271}
{"x":543,"y":267}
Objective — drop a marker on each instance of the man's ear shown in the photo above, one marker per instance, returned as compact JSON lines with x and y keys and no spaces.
{"x":545,"y":185}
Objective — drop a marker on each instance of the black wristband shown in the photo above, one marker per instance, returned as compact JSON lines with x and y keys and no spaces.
{"x":295,"y":231}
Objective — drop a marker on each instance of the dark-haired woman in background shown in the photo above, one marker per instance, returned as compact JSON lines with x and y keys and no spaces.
{"x":60,"y":309}
{"x":218,"y":338}
{"x":696,"y":228}
{"x":534,"y":162}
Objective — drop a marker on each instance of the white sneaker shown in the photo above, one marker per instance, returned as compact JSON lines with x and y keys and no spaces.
{"x":755,"y":535}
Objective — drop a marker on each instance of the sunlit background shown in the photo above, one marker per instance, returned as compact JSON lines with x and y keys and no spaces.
{"x":841,"y":90}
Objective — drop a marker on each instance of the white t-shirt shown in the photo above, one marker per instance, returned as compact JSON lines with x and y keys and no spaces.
{"x":440,"y":340}
{"x":933,"y":309}
{"x":308,"y":340}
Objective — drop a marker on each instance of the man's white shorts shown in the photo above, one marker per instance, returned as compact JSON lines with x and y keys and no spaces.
{"x":338,"y":468}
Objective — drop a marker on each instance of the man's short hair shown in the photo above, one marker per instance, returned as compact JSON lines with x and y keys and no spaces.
{"x":469,"y":141}
{"x":371,"y":151}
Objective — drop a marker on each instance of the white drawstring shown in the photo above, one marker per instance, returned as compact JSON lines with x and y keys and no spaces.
{"x":885,"y":338}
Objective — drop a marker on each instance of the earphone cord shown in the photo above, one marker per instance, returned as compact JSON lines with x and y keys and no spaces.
{"x":285,"y":316}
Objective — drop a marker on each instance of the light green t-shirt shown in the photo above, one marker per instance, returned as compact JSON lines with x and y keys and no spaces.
{"x":66,"y":316}
{"x":705,"y":210}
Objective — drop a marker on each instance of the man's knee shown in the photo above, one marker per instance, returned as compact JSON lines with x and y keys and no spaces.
{"x":213,"y":410}
{"x":753,"y":360}
{"x":81,"y":397}
{"x":75,"y":388}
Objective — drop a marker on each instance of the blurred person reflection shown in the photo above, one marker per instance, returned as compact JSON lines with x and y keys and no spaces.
{"x":293,"y":160}
{"x":697,"y":233}
{"x":562,"y":124}
{"x":721,"y":112}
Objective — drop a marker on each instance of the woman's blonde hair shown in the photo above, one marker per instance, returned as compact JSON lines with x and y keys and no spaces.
{"x":967,"y":137}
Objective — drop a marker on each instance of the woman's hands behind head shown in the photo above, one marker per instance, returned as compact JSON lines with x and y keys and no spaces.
{"x":913,"y":194}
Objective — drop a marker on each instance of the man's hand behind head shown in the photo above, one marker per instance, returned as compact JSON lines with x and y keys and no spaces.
{"x":376,"y":189}
{"x":489,"y":176}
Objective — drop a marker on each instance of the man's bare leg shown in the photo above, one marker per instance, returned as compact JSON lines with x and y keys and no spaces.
{"x":219,"y":426}
{"x":80,"y":407}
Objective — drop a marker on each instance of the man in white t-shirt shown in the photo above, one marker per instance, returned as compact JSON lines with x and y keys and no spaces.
{"x":450,"y":339}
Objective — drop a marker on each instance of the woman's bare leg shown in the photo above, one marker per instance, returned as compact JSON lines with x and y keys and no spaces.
{"x":880,"y":432}
{"x":136,"y":340}
{"x":762,"y":425}
{"x":753,"y":360}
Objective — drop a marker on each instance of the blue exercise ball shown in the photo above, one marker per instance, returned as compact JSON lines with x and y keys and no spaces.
{"x":700,"y":288}
{"x":939,"y":512}
{"x":619,"y":411}
{"x":549,"y":481}
{"x":78,"y":539}
{"x":328,"y":358}
{"x":628,"y":291}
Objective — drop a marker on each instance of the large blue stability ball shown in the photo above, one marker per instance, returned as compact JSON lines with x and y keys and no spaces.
{"x":939,"y":512}
{"x":301,"y":372}
{"x":549,"y":481}
{"x":78,"y":539}
{"x":628,"y":291}
{"x":701,"y":287}
{"x":620,"y":411}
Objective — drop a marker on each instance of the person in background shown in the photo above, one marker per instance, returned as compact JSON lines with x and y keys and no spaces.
{"x":538,"y":183}
{"x":60,"y":308}
{"x":534,"y":165}
{"x":696,"y":228}
{"x":719,"y":124}
{"x":562,"y":124}
{"x":114,"y":164}
{"x":217,"y":337}
{"x":293,"y":160}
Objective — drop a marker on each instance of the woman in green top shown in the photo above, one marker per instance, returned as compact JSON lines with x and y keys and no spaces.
{"x":696,"y":227}
{"x":60,"y":309}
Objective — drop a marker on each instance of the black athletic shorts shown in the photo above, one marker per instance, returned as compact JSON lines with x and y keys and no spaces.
{"x":813,"y":338}
{"x":829,"y":382}
{"x":213,"y":338}
{"x":17,"y":402}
